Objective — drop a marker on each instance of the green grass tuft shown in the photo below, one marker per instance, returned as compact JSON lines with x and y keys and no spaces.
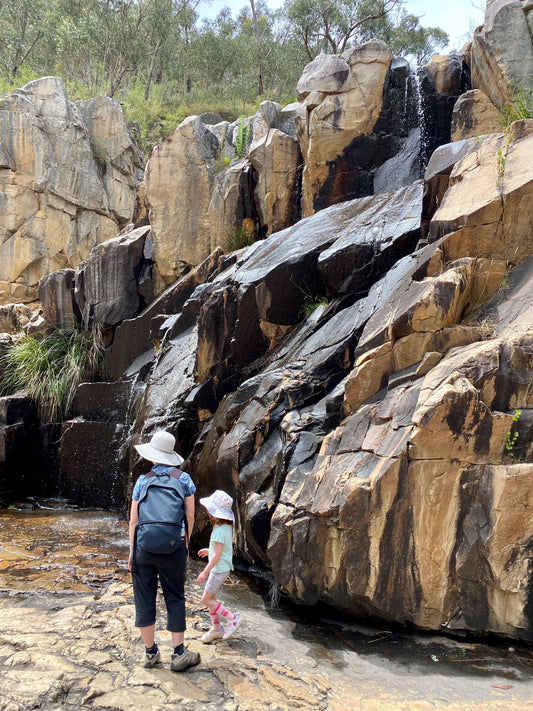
{"x":49,"y":367}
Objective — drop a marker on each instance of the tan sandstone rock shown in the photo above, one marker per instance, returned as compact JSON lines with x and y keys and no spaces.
{"x":68,"y":176}
{"x":474,"y":115}
{"x":179,"y":179}
{"x":486,"y":211}
{"x":502,"y":51}
{"x":352,"y":85}
{"x":406,"y":509}
{"x":276,"y":158}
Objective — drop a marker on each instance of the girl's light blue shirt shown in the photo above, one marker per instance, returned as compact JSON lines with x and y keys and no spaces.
{"x":223,"y":533}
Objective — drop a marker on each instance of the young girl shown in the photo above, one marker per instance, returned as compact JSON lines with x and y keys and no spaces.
{"x":220,"y":565}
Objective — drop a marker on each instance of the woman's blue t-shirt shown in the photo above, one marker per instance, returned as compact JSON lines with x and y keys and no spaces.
{"x":184,"y":478}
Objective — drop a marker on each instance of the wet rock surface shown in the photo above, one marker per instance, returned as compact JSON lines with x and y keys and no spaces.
{"x":67,"y":641}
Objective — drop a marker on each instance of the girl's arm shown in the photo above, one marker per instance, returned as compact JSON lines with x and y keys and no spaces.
{"x":134,"y":517}
{"x":212,"y":562}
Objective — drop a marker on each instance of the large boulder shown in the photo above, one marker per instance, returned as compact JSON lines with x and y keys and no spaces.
{"x":13,"y":317}
{"x":180,"y":176}
{"x":68,"y":177}
{"x":486,"y":210}
{"x":56,"y":293}
{"x":502,"y":51}
{"x":276,"y":159}
{"x":474,"y":115}
{"x":231,"y":202}
{"x":108,"y":284}
{"x":342,"y":99}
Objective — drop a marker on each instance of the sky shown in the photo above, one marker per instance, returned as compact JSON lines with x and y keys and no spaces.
{"x":456,"y":17}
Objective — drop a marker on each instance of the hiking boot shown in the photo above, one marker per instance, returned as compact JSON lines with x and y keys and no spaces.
{"x":150,"y":660}
{"x":180,"y":662}
{"x":231,"y":627}
{"x":211,"y":634}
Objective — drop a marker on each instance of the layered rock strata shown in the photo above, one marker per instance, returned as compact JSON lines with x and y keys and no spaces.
{"x":502,"y":51}
{"x":359,"y":404}
{"x":68,"y":176}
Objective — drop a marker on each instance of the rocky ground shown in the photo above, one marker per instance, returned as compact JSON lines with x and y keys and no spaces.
{"x":67,"y":641}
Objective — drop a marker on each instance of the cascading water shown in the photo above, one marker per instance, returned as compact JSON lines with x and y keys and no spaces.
{"x":421,"y":111}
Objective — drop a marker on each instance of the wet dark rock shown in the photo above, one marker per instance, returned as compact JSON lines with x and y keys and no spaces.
{"x":132,"y":337}
{"x":378,"y":231}
{"x":403,"y":168}
{"x":56,"y":293}
{"x":15,"y":409}
{"x":92,"y":472}
{"x":110,"y":279}
{"x":441,"y":82}
{"x":19,"y":434}
{"x":103,"y":402}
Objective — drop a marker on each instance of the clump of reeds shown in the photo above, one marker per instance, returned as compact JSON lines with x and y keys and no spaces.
{"x":49,"y":366}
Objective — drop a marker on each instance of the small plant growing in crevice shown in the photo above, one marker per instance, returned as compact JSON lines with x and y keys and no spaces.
{"x":239,"y":239}
{"x":501,"y":158}
{"x":313,"y":302}
{"x":242,"y":139}
{"x":511,"y":437}
{"x":521,"y":107}
{"x":49,"y":366}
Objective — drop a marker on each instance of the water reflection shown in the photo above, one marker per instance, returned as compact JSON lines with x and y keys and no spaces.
{"x":61,"y":551}
{"x":63,"y":576}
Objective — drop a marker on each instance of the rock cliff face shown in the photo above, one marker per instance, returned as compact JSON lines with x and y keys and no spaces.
{"x":352,"y":382}
{"x":502,"y":51}
{"x":51,"y":216}
{"x":359,"y":380}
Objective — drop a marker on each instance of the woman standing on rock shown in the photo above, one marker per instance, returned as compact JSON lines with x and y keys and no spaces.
{"x":161,"y":518}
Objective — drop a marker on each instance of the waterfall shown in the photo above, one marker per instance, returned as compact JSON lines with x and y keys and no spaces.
{"x":421,"y":110}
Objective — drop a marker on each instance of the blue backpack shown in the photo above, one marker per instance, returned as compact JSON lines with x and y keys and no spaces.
{"x":161,"y":512}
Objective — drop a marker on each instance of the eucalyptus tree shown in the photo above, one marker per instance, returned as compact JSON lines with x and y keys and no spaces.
{"x":169,"y":24}
{"x":409,"y":38}
{"x":332,"y":25}
{"x":21,"y":30}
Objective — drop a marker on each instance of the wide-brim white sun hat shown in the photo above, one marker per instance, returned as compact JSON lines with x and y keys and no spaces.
{"x":160,"y":449}
{"x":219,"y":505}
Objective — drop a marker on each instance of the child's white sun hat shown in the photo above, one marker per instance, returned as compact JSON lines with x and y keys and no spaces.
{"x":219,"y":505}
{"x":160,"y":449}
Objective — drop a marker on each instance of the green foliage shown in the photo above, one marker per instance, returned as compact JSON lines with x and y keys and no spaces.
{"x":163,"y":64}
{"x":153,"y":120}
{"x":511,"y":436}
{"x":409,"y":38}
{"x":242,"y":139}
{"x":239,"y":239}
{"x":501,"y":157}
{"x":521,"y":107}
{"x":313,"y":302}
{"x":50,"y":366}
{"x":501,"y":163}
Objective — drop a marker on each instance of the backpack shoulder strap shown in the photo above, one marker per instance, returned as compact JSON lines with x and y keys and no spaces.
{"x":176,"y":473}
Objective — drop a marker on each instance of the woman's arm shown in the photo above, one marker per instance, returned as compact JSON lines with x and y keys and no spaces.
{"x":189,"y":513}
{"x":134,"y":517}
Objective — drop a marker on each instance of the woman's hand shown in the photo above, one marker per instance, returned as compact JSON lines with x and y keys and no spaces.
{"x":203,"y":552}
{"x":129,"y":561}
{"x":202,"y":577}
